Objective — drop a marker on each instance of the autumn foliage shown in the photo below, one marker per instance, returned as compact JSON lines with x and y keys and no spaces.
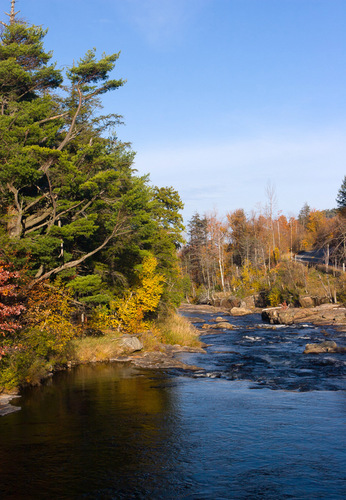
{"x":49,"y":316}
{"x":130,"y":312}
{"x":10,"y":309}
{"x":246,"y":254}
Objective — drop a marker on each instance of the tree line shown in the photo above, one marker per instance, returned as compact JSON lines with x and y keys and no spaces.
{"x":243,"y":253}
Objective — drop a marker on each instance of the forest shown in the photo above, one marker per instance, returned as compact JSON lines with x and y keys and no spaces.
{"x":90,"y":250}
{"x":263,"y":254}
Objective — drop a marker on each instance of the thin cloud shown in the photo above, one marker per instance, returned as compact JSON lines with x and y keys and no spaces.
{"x":235,"y":174}
{"x":161,"y":22}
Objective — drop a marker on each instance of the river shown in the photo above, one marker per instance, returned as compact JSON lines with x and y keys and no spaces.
{"x":260,"y":420}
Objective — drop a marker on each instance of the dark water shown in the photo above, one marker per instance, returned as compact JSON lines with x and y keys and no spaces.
{"x":110,"y":431}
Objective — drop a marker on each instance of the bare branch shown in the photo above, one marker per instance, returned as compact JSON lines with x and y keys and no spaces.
{"x":69,"y":133}
{"x":33,"y":203}
{"x":45,"y":120}
{"x":32,"y":220}
{"x":12,"y":14}
{"x":117,"y":231}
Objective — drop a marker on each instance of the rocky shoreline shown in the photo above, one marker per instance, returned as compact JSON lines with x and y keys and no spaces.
{"x":162,"y":358}
{"x":325,"y":314}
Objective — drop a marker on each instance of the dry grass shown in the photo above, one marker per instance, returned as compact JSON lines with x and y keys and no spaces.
{"x":176,"y":329}
{"x":172,"y":329}
{"x":96,"y":349}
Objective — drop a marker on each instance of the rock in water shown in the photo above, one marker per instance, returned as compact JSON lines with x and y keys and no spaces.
{"x":222,"y":325}
{"x":327,"y":346}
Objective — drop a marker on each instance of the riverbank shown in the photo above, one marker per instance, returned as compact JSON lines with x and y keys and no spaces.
{"x":155,"y":349}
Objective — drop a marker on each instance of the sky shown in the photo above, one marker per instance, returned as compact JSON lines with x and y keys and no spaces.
{"x":225,"y":100}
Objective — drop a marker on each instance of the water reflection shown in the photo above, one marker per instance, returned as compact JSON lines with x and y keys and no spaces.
{"x":110,"y":431}
{"x":91,"y":427}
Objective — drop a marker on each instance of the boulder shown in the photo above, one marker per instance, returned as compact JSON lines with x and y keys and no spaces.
{"x":223,"y":325}
{"x":327,"y":346}
{"x":241,"y":311}
{"x":248,"y":302}
{"x":130,"y":343}
{"x":306,"y":302}
{"x":229,"y":302}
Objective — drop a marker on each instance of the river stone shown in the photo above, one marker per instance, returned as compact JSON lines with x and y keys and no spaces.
{"x":219,"y":319}
{"x":327,"y":346}
{"x":224,"y":325}
{"x":130,"y":343}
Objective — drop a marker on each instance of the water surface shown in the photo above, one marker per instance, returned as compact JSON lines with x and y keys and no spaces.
{"x":111,"y":431}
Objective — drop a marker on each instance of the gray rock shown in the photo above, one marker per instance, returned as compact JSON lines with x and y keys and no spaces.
{"x":131,"y":343}
{"x":327,"y":346}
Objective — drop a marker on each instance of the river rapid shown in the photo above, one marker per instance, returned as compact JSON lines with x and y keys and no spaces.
{"x":259,"y":420}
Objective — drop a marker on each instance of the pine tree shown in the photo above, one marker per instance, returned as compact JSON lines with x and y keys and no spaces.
{"x":58,"y":174}
{"x":69,"y":200}
{"x":304,"y":213}
{"x":341,"y":197}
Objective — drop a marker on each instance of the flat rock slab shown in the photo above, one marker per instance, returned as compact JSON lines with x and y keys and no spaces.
{"x":154,"y":360}
{"x":326,"y":314}
{"x":199,"y":308}
{"x":241,"y":311}
{"x":165,"y":358}
{"x":5,"y":407}
{"x":195,"y":320}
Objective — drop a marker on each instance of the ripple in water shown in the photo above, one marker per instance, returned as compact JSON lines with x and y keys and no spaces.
{"x":272,"y":356}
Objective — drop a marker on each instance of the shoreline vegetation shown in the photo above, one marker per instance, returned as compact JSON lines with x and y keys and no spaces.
{"x":157,"y":348}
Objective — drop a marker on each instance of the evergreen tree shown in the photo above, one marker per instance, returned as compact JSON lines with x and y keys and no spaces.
{"x":303,"y":216}
{"x":195,"y":251}
{"x":341,"y":197}
{"x":69,"y":200}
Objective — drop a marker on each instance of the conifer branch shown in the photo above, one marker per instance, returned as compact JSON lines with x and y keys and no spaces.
{"x":118,"y":230}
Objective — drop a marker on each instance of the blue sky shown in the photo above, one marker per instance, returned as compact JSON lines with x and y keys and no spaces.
{"x":223,"y":97}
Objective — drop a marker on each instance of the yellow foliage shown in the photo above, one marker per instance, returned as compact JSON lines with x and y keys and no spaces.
{"x":276,"y":254}
{"x":131,"y":310}
{"x":49,"y":316}
{"x":274,"y":297}
{"x":104,"y":319}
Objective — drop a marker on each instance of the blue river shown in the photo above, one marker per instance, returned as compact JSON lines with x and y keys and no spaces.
{"x":259,"y":420}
